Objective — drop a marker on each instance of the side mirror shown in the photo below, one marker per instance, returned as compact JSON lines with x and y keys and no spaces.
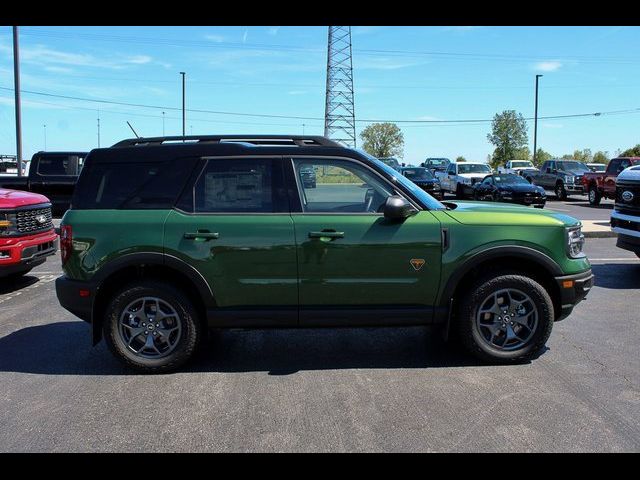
{"x":397,"y":208}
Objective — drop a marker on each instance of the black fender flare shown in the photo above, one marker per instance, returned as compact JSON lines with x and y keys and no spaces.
{"x":496,"y":252}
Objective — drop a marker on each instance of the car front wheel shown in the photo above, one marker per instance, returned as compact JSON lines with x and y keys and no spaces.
{"x":560,"y":191}
{"x":151,"y":327}
{"x":505,"y":318}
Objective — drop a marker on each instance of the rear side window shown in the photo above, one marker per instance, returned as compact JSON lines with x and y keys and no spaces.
{"x":133,"y":186}
{"x":251,"y":185}
{"x":60,"y":165}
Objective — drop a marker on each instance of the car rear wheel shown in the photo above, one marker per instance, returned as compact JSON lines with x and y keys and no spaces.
{"x":506,"y":318}
{"x":594,"y":196}
{"x":152,"y":327}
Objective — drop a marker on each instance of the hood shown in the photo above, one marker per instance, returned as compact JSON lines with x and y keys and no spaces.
{"x":575,"y":173}
{"x":474,"y":175}
{"x":17,"y":198}
{"x":474,"y":213}
{"x":520,"y":187}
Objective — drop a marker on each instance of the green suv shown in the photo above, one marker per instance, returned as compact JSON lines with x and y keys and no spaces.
{"x":168,"y":237}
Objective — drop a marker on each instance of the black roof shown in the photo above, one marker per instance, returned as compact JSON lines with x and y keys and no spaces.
{"x":165,"y":148}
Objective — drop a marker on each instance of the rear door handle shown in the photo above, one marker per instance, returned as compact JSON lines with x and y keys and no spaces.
{"x":326,"y":234}
{"x":205,"y":235}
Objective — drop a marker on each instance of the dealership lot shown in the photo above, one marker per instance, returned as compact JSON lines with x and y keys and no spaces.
{"x":329,"y":390}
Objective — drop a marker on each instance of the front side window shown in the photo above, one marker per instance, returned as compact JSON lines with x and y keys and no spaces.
{"x":339,"y":186}
{"x":238,"y":186}
{"x":452,"y":169}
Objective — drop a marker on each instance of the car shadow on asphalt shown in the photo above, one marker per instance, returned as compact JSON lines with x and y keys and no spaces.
{"x":64,"y":348}
{"x":623,"y":276}
{"x":9,"y":285}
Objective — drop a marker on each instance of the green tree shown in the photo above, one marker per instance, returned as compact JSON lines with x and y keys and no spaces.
{"x":541,"y":157}
{"x":601,"y":157}
{"x":461,"y":159}
{"x":522,"y":154}
{"x":583,"y":155}
{"x":509,"y":135}
{"x":383,"y":140}
{"x":631,"y":152}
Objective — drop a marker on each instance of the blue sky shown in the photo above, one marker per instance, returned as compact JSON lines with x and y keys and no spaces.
{"x":400,"y":73}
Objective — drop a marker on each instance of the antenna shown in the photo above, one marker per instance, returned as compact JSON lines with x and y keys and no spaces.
{"x":134,"y":132}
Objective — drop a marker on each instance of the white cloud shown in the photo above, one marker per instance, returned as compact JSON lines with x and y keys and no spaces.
{"x":215,"y":38}
{"x":273,"y":31}
{"x":245,"y":35}
{"x":360,"y":30}
{"x":428,"y":117}
{"x":139,"y":59}
{"x":552,"y":125}
{"x":549,"y":66}
{"x":460,"y":28}
{"x":385,"y":63}
{"x":297,"y":92}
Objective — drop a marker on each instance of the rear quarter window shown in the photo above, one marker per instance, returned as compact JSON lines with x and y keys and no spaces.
{"x":133,"y":186}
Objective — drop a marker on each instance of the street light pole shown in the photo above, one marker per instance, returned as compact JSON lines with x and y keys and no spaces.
{"x":535,"y":124}
{"x":183,"y":112}
{"x":16,"y":88}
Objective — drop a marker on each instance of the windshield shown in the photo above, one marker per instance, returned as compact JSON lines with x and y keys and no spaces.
{"x":473,"y":168}
{"x":390,"y":161}
{"x":573,"y":166}
{"x":509,"y":179}
{"x":425,"y":198}
{"x":417,"y":174}
{"x":521,"y":164}
{"x":435,"y":162}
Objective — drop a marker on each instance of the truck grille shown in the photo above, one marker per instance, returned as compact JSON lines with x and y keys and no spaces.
{"x":628,"y":198}
{"x":33,"y":220}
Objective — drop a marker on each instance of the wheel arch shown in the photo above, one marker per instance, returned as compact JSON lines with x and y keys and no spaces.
{"x":521,"y":259}
{"x":140,"y":266}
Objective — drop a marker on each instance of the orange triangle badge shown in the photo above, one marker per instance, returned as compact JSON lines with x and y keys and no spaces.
{"x":417,"y":263}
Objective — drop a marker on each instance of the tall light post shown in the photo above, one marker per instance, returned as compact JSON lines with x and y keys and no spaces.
{"x":183,"y":112}
{"x":535,"y":124}
{"x":16,"y":88}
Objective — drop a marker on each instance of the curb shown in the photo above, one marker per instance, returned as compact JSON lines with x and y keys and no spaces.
{"x":605,"y":234}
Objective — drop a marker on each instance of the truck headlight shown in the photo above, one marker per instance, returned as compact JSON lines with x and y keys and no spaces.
{"x":7,"y":224}
{"x":575,"y":242}
{"x":466,"y":181}
{"x":569,"y":179}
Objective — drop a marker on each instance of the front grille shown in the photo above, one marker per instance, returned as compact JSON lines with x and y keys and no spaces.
{"x":626,"y":224}
{"x":632,"y":206}
{"x":33,"y":220}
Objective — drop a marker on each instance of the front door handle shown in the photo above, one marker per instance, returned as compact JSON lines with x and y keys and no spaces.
{"x":326,"y":234}
{"x":204,"y":235}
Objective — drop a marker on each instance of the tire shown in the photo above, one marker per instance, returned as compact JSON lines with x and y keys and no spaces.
{"x":473,"y":331}
{"x":182,"y":327}
{"x":459,"y":192}
{"x":560,"y":191}
{"x":594,"y":196}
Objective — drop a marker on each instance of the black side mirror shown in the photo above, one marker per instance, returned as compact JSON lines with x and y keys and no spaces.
{"x":397,"y":208}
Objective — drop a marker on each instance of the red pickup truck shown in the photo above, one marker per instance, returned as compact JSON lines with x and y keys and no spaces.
{"x":27,"y":236}
{"x":599,"y":185}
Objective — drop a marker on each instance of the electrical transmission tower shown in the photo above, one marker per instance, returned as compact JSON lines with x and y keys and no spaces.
{"x":339,"y":114}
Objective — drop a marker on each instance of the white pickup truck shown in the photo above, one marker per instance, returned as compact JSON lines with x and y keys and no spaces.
{"x":516,"y":166}
{"x":460,"y":177}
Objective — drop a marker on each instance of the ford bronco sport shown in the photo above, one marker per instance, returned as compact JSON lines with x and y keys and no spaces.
{"x":167,"y":237}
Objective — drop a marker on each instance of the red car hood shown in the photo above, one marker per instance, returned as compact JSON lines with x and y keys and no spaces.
{"x":17,"y":198}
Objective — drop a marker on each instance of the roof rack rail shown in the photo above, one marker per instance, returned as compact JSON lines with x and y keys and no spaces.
{"x":284,"y":140}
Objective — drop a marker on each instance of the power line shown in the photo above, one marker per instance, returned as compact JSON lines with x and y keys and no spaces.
{"x":295,"y":117}
{"x":367,"y":52}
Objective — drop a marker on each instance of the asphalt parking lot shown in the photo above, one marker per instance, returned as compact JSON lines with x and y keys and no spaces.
{"x":373,"y":389}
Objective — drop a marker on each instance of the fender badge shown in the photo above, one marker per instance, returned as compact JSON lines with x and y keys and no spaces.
{"x":417,"y":263}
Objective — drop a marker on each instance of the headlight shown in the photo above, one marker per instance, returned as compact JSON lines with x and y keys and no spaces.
{"x":575,"y":242}
{"x":466,"y":181}
{"x":569,"y":179}
{"x":7,"y":224}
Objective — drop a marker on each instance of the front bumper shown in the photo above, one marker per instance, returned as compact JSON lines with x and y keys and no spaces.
{"x":19,"y":254}
{"x":573,"y":289}
{"x":575,"y":188}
